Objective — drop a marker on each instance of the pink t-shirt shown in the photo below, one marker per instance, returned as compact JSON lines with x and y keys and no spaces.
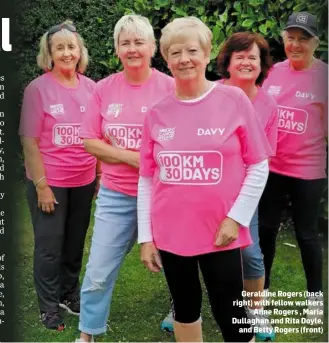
{"x":53,"y":113}
{"x":196,"y":153}
{"x":302,"y":98}
{"x":115,"y":114}
{"x":266,"y":109}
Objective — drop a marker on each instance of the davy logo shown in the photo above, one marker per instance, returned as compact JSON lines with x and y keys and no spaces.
{"x":210,"y":131}
{"x":5,"y":29}
{"x":305,"y":95}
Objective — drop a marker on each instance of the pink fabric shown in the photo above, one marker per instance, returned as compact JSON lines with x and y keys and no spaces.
{"x":302,"y":98}
{"x":115,"y":114}
{"x":53,"y":113}
{"x":196,"y":153}
{"x":266,"y":109}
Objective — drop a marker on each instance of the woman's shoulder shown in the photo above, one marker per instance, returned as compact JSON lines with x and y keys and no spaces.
{"x":231,"y":91}
{"x":281,"y":65}
{"x":87,"y":79}
{"x":266,"y":98}
{"x":40,"y":83}
{"x":162,"y":75}
{"x":88,"y":82}
{"x":320,"y":65}
{"x":109,"y":80}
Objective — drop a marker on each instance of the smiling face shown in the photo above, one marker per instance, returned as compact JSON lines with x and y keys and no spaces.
{"x":299,"y":47}
{"x":245,"y":65}
{"x":65,"y":51}
{"x":187,"y":59}
{"x":134,"y":50}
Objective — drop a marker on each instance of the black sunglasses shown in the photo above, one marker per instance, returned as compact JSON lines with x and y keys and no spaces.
{"x":57,"y":28}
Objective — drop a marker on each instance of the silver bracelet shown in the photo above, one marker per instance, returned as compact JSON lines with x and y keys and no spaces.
{"x":37,"y":182}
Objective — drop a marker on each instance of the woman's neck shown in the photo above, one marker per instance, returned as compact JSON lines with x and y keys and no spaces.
{"x":137,"y":76}
{"x":303,"y":65}
{"x":192,"y":90}
{"x":67,"y":78}
{"x":249,"y":87}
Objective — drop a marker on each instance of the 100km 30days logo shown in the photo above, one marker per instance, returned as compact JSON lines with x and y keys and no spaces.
{"x":190,"y":167}
{"x":124,"y":136}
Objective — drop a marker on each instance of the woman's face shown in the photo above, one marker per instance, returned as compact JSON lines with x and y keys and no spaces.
{"x":245,"y":65}
{"x":187,"y":59}
{"x":299,"y":46}
{"x":65,"y":51}
{"x":134,"y":50}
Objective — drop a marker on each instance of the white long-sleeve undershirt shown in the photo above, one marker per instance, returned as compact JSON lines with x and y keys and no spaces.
{"x":242,"y":210}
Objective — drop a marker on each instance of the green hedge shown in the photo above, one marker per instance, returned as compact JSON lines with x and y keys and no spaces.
{"x":95,"y":20}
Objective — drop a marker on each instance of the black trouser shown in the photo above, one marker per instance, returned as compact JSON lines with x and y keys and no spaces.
{"x":305,"y":196}
{"x":58,"y":243}
{"x":222,"y":274}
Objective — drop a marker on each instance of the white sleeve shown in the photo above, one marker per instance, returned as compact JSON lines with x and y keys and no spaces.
{"x":144,"y":209}
{"x":251,"y":191}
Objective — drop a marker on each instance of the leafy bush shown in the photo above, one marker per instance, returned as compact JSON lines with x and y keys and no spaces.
{"x":96,"y":19}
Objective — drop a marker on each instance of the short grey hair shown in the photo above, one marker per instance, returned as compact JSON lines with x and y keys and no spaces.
{"x":285,"y":32}
{"x":134,"y":23}
{"x":44,"y":59}
{"x":181,"y":27}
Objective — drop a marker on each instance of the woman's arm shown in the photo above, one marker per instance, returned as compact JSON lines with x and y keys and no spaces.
{"x":144,"y":209}
{"x":149,"y":253}
{"x":245,"y":204}
{"x":109,"y":154}
{"x":35,"y":166}
{"x":33,"y":159}
{"x":251,"y":191}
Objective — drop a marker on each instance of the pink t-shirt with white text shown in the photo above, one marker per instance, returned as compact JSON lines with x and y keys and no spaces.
{"x":115,"y":114}
{"x":267,"y":111}
{"x":53,"y":113}
{"x":196,"y":153}
{"x":302,"y":98}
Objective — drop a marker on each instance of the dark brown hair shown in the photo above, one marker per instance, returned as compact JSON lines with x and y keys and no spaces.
{"x":241,"y":41}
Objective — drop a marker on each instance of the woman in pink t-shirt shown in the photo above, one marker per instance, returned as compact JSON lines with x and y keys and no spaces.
{"x":297,"y":172}
{"x":112,"y":132}
{"x":244,"y":62}
{"x":61,"y":174}
{"x":203,"y":167}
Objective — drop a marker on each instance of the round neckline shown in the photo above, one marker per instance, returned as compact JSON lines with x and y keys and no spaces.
{"x":140,"y":85}
{"x":310,"y":68}
{"x":196,"y":100}
{"x":63,"y":86}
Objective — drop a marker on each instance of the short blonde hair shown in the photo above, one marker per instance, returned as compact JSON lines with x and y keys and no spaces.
{"x":134,"y":23}
{"x":44,"y":59}
{"x":181,"y":27}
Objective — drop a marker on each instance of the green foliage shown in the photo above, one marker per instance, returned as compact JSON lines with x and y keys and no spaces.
{"x":96,"y":19}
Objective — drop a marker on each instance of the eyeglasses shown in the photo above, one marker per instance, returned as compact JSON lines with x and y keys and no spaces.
{"x":59,"y":27}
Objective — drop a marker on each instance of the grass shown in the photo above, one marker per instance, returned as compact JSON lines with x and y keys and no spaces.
{"x":140,"y":299}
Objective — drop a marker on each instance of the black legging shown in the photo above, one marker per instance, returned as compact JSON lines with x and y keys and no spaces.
{"x":222,"y":274}
{"x":305,"y":196}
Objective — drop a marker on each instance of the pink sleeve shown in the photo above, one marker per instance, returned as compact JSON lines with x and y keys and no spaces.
{"x":32,"y":115}
{"x":271,"y":130}
{"x":325,"y":118}
{"x":91,"y":126}
{"x":147,"y":163}
{"x":255,"y":147}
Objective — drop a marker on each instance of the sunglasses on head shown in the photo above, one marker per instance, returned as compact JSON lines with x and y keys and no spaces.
{"x":58,"y":28}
